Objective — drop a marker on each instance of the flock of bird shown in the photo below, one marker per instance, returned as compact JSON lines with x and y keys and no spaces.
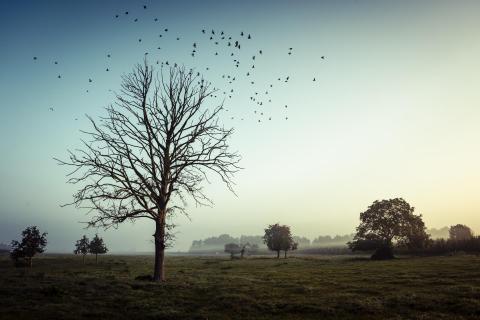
{"x":233,"y":48}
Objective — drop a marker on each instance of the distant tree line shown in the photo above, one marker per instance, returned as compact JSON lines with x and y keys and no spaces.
{"x":218,"y":243}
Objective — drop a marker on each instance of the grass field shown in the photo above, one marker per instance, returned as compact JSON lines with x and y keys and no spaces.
{"x":254,"y":288}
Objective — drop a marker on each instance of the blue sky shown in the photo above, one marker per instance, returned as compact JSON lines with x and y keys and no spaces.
{"x":393,"y":112}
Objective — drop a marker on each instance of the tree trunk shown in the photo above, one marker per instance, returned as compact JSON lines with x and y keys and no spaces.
{"x":159,"y":236}
{"x":83,"y":258}
{"x":285,"y":254}
{"x":278,"y":254}
{"x":96,"y":258}
{"x":30,"y":262}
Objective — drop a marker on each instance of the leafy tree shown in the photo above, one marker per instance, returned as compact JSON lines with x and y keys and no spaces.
{"x":97,"y":247}
{"x":460,"y":232}
{"x":233,"y":249}
{"x":82,"y":247}
{"x":279,"y":238}
{"x":32,"y":243}
{"x":157,"y":144}
{"x":385,"y":223}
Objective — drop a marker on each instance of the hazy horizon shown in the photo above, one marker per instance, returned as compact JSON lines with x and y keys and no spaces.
{"x":394,"y":110}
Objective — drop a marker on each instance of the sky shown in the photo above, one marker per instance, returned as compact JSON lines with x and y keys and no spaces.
{"x":393,"y":111}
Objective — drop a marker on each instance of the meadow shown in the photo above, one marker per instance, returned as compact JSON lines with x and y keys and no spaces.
{"x":301,"y":287}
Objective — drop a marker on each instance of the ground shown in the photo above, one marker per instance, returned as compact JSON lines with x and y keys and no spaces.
{"x":307,"y":287}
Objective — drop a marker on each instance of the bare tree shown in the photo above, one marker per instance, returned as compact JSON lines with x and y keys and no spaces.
{"x":156,"y":146}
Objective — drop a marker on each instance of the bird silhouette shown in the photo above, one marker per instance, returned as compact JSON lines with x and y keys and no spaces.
{"x":322,"y":57}
{"x":135,"y":20}
{"x":166,"y":30}
{"x":89,"y":80}
{"x":55,"y":62}
{"x":34,"y":58}
{"x":249,"y":37}
{"x":116,"y":16}
{"x":156,"y":19}
{"x":51,"y":108}
{"x":59,"y":76}
{"x":108,"y":56}
{"x":144,"y":7}
{"x":126,"y":12}
{"x":313,"y":79}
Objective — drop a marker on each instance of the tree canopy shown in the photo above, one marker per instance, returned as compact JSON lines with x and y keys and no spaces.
{"x":389,"y":222}
{"x":82,"y":247}
{"x":460,"y":232}
{"x":32,"y":242}
{"x":97,"y":246}
{"x":279,"y":238}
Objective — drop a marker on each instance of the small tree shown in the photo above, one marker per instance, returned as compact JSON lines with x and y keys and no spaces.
{"x":97,"y":247}
{"x":460,"y":232}
{"x":32,"y":243}
{"x":387,"y":222}
{"x":278,"y":238}
{"x":82,"y":247}
{"x":232,"y":248}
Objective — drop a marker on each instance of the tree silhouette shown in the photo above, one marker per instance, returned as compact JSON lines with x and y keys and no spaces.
{"x":82,"y":247}
{"x":278,"y":238}
{"x":460,"y":232}
{"x":386,"y":222}
{"x":232,"y":248}
{"x":155,"y":146}
{"x":32,"y":243}
{"x":96,"y":247}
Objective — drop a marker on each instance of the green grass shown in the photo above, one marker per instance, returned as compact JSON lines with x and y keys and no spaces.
{"x":254,"y":288}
